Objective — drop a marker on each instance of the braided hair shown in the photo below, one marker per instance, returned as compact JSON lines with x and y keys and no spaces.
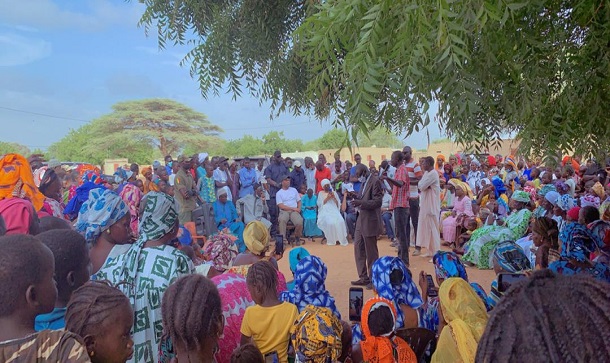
{"x":532,"y":324}
{"x":91,"y":305}
{"x":191,"y":309}
{"x":547,"y":228}
{"x":262,"y":276}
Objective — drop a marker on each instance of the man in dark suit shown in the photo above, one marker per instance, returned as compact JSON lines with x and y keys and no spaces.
{"x":368,"y":224}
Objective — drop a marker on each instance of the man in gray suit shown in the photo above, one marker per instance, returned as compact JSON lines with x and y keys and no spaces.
{"x":368,"y":224}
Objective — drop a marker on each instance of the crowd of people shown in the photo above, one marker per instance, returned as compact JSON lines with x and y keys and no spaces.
{"x":110,"y":269}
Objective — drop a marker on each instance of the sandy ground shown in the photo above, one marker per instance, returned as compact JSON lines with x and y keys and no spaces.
{"x":342,"y":268}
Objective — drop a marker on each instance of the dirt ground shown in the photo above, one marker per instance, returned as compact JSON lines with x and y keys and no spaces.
{"x":342,"y":268}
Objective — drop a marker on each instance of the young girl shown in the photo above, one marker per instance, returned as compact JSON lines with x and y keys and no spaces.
{"x":267,"y":323}
{"x":193,"y":332}
{"x":248,"y":353}
{"x":102,"y":316}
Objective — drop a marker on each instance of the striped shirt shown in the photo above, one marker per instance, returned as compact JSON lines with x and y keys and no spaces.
{"x":415,"y":175}
{"x":400,"y":195}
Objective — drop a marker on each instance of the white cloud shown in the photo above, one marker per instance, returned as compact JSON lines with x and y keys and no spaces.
{"x":18,"y":50}
{"x":48,"y":15}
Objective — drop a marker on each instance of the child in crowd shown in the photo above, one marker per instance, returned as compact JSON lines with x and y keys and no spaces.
{"x":28,"y":289}
{"x":248,"y":353}
{"x":193,"y":332}
{"x":72,"y":270}
{"x":267,"y":323}
{"x":471,"y":225}
{"x":102,"y":316}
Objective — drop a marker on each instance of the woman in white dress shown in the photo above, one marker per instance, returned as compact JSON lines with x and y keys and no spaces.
{"x":330,"y":220}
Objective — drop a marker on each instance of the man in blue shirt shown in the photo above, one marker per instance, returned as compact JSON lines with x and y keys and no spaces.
{"x":297,"y":176}
{"x":247,"y":179}
{"x":274,"y":173}
{"x":352,"y":173}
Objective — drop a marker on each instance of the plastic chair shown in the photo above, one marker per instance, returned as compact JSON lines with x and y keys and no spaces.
{"x":419,"y":339}
{"x":190,"y":226}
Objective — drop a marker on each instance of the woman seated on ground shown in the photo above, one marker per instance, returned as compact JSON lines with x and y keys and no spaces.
{"x":256,"y":238}
{"x":317,"y":335}
{"x":294,"y":257}
{"x":309,"y":287}
{"x":545,"y":237}
{"x":138,"y":275}
{"x":446,"y":266}
{"x":485,"y":239}
{"x":330,"y":220}
{"x":220,"y":251}
{"x":462,"y":322}
{"x":392,"y":280}
{"x":379,"y":325}
{"x":578,"y":243}
{"x":104,"y":221}
{"x":462,"y":207}
{"x":507,"y":257}
{"x":578,"y":323}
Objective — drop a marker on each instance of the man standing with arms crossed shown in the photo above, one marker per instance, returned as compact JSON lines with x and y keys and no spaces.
{"x":415,"y":174}
{"x":400,"y":204}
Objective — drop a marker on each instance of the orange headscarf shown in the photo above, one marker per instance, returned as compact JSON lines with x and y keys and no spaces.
{"x":380,"y":349}
{"x":17,"y":180}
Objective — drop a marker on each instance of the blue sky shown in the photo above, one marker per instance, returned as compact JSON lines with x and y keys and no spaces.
{"x":75,"y":59}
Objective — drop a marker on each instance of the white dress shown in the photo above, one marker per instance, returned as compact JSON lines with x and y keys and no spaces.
{"x":330,"y":220}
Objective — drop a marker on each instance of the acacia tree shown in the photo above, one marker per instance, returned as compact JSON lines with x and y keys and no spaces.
{"x":534,"y":68}
{"x":136,"y":129}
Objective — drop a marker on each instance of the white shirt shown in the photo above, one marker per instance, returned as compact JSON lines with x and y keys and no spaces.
{"x":288,"y":197}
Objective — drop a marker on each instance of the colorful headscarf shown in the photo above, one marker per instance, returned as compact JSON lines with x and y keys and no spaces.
{"x":491,"y":160}
{"x":511,"y":162}
{"x":256,"y":237}
{"x":382,"y":349}
{"x":102,"y":209}
{"x":159,"y":216}
{"x":460,"y":184}
{"x":404,"y":293}
{"x":309,"y":287}
{"x":579,"y":242}
{"x":221,"y":250}
{"x":82,"y":195}
{"x":561,"y":186}
{"x":145,"y":170}
{"x":520,"y":196}
{"x":598,"y":189}
{"x":590,"y":200}
{"x":295,"y":255}
{"x":316,"y":335}
{"x":90,"y":174}
{"x":18,"y":215}
{"x":39,"y":174}
{"x":531,"y":190}
{"x":545,"y":189}
{"x":573,"y":213}
{"x":466,"y":318}
{"x":499,"y":186}
{"x":17,"y":181}
{"x":511,"y":257}
{"x":566,"y":202}
{"x":448,"y":264}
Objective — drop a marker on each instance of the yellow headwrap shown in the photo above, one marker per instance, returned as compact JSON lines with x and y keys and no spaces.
{"x":256,"y":237}
{"x":466,"y":319}
{"x":598,"y":189}
{"x":460,"y":184}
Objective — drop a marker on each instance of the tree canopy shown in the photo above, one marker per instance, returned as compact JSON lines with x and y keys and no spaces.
{"x":14,"y":148}
{"x":539,"y":70}
{"x":141,"y":131}
{"x":266,"y":145}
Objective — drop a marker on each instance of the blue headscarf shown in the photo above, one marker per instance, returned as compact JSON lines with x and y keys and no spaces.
{"x":99,"y":212}
{"x":448,"y":264}
{"x":309,"y":288}
{"x":403,"y":293}
{"x":579,"y":242}
{"x":499,"y":186}
{"x":511,"y":257}
{"x":82,"y":194}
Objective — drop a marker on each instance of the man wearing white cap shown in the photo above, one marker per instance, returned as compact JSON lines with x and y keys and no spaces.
{"x":297,"y":176}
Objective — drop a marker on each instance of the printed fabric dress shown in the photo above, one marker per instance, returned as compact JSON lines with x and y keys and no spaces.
{"x":484,"y":239}
{"x":144,"y":273}
{"x":310,"y":216}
